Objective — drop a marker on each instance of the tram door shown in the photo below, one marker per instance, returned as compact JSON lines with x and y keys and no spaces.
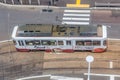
{"x":68,"y":44}
{"x":21,"y":44}
{"x":61,"y":44}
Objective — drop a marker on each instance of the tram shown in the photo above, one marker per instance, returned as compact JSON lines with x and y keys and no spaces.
{"x":63,"y":38}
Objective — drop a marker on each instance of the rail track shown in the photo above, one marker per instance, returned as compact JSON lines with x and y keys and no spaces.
{"x":15,"y":64}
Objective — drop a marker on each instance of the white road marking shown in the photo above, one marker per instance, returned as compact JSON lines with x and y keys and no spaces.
{"x":75,"y":23}
{"x":113,"y":39}
{"x":76,"y":17}
{"x":111,"y":64}
{"x":78,"y":11}
{"x":112,"y":76}
{"x":64,"y":78}
{"x":51,"y":77}
{"x":5,"y":41}
{"x":33,"y":77}
{"x":94,"y":74}
{"x":85,"y":15}
{"x":83,"y":19}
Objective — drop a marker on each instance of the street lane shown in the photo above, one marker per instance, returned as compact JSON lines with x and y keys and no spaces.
{"x":11,"y":17}
{"x":19,"y":17}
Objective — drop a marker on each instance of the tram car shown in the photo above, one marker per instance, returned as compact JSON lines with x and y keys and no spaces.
{"x":60,"y":37}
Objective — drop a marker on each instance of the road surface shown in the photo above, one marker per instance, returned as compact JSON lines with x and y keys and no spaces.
{"x":56,"y":2}
{"x":11,"y":17}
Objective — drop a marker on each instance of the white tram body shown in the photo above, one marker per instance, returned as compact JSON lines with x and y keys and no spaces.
{"x":60,"y":37}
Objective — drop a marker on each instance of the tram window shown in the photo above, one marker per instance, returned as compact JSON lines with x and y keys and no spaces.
{"x":47,"y":42}
{"x":31,"y":31}
{"x":37,"y":31}
{"x":88,"y":43}
{"x":25,"y":31}
{"x":60,"y":43}
{"x":68,"y":42}
{"x":96,"y":43}
{"x":44,"y":42}
{"x":36,"y":42}
{"x":52,"y":42}
{"x":31,"y":42}
{"x":79,"y":43}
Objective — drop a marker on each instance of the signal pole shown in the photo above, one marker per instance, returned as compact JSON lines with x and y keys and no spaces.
{"x":89,"y":59}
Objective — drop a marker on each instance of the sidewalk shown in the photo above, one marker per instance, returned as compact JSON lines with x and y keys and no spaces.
{"x":28,"y":6}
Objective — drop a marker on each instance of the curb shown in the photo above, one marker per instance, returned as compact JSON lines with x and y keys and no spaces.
{"x":46,"y":6}
{"x":28,"y":6}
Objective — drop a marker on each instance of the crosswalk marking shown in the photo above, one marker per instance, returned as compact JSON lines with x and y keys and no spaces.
{"x":76,"y":17}
{"x":87,"y":15}
{"x":76,"y":23}
{"x":84,"y":19}
{"x":78,"y":11}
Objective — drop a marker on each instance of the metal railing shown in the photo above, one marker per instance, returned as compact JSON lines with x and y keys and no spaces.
{"x":30,"y":2}
{"x":107,"y":4}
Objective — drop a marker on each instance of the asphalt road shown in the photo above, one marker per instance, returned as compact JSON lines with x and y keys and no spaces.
{"x":11,"y":17}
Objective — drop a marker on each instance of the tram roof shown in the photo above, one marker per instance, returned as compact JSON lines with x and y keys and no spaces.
{"x":46,"y":30}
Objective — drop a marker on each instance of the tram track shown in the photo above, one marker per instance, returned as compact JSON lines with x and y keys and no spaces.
{"x":29,"y":63}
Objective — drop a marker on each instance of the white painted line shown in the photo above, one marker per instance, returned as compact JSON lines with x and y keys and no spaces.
{"x":33,"y":77}
{"x":111,"y":64}
{"x":113,"y":39}
{"x":78,"y":11}
{"x":94,"y":74}
{"x":5,"y":41}
{"x":69,"y":79}
{"x":87,"y":15}
{"x":76,"y":23}
{"x":84,"y":19}
{"x":112,"y":77}
{"x":64,"y":78}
